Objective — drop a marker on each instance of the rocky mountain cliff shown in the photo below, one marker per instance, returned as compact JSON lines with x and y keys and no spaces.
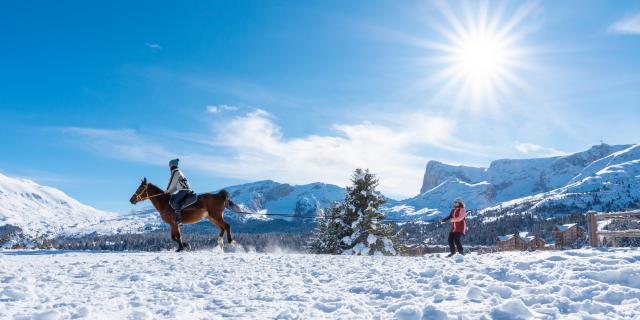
{"x":602,"y":172}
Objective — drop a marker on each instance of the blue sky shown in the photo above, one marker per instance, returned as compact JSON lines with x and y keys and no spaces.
{"x":96,"y":95}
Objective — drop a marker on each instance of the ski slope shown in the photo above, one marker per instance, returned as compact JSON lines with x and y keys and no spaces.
{"x":577,"y":284}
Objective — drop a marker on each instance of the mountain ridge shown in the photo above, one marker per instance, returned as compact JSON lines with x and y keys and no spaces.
{"x":603,"y":178}
{"x":507,"y":180}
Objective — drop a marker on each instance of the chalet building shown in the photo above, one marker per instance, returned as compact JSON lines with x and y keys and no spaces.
{"x":510,"y":242}
{"x":567,"y":235}
{"x":534,"y":243}
{"x":521,"y":241}
{"x":415,"y":250}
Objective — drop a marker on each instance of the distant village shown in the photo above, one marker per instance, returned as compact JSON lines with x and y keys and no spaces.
{"x":625,"y":226}
{"x":622,"y":229}
{"x":566,"y":236}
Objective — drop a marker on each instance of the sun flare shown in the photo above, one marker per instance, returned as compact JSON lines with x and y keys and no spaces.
{"x":481,"y":56}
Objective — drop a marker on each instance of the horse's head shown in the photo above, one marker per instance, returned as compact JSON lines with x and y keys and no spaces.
{"x":141,"y":193}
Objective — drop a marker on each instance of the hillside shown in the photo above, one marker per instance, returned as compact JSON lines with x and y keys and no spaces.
{"x":31,"y":210}
{"x":611,"y":183}
{"x":284,"y":199}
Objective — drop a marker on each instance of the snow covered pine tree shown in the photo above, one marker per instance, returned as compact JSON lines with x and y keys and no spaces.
{"x":329,"y":231}
{"x":355,"y":226}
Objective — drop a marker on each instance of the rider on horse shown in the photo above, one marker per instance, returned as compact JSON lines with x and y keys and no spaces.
{"x":179,"y":189}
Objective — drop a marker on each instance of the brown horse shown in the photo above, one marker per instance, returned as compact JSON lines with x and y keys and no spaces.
{"x":209,"y":205}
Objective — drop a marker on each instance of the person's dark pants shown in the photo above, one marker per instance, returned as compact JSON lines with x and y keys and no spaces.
{"x":178,"y":198}
{"x":454,"y":241}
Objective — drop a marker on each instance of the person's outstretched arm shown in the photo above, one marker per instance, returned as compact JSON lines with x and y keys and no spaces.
{"x":449,"y":217}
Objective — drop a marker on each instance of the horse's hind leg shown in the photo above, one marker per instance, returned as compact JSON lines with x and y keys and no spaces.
{"x":228,"y":228}
{"x":222,"y":229}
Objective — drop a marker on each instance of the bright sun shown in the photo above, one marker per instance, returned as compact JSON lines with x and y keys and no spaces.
{"x":481,"y":58}
{"x":481,"y":55}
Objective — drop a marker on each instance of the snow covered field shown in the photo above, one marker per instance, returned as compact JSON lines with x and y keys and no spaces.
{"x":578,"y":284}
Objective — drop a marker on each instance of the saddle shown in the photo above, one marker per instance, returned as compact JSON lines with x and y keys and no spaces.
{"x":188,"y":202}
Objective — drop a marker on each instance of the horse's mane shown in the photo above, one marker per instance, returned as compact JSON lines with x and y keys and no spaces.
{"x":152,"y":186}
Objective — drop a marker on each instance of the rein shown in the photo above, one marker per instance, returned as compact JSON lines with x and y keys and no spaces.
{"x":146,"y":189}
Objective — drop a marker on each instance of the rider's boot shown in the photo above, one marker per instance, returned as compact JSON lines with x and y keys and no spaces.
{"x":178,"y":218}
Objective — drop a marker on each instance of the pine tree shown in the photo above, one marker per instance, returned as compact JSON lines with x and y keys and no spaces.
{"x":355,"y":225}
{"x":328,"y":231}
{"x":362,"y":222}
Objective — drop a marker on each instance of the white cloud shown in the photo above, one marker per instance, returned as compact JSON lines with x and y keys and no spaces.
{"x":153,"y":46}
{"x":261,"y":151}
{"x":220,"y":108}
{"x":538,"y":150}
{"x":252,"y":147}
{"x":627,"y":25}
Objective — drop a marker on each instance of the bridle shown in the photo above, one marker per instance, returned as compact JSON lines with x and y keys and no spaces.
{"x":146,"y":189}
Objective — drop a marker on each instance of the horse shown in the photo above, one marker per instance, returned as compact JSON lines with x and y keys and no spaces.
{"x":208,"y":205}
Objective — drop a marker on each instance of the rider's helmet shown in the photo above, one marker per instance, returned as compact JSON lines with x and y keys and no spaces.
{"x":173,"y":163}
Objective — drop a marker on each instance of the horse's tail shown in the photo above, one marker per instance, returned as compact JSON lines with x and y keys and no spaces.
{"x":224,"y":194}
{"x":232,"y":205}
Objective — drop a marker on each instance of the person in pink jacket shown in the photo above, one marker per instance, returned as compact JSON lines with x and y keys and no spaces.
{"x":458,"y":226}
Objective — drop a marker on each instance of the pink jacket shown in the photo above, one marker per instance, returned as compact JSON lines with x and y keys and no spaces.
{"x":457,"y":220}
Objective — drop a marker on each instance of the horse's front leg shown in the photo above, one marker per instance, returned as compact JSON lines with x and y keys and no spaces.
{"x":177,"y":237}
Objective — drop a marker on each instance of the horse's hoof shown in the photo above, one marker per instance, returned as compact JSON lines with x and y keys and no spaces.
{"x":180,"y":249}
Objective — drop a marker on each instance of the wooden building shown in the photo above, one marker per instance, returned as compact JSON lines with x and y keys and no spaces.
{"x":534,"y":243}
{"x":520,"y":241}
{"x":414,"y":250}
{"x":510,"y":242}
{"x":567,"y":235}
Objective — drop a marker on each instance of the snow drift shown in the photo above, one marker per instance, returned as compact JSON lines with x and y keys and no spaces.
{"x":575,"y":284}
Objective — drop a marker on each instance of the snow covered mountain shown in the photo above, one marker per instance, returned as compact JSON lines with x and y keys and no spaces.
{"x":603,"y":177}
{"x":41,"y":211}
{"x":611,"y":183}
{"x":281,"y":198}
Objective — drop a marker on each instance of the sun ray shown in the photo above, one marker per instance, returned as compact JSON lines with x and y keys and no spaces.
{"x":481,"y":53}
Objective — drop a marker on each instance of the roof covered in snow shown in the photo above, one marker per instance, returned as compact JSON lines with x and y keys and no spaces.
{"x":506,"y":237}
{"x":566,"y":227}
